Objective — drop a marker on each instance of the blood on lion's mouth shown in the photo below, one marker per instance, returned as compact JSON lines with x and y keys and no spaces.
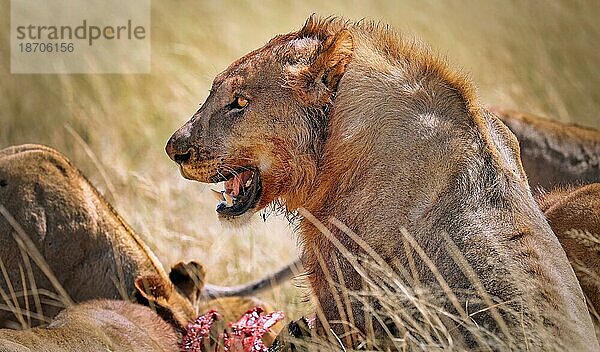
{"x":242,"y":191}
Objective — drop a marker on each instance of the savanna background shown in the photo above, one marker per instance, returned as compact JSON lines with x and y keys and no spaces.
{"x":535,"y":56}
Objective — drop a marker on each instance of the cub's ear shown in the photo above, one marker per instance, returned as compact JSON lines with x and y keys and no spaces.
{"x":316,"y":82}
{"x":160,"y":295}
{"x":189,"y":279}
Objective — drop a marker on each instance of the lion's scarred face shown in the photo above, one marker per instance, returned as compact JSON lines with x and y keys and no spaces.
{"x":264,"y":114}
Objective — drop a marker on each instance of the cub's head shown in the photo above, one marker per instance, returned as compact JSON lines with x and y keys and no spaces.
{"x":262,"y":127}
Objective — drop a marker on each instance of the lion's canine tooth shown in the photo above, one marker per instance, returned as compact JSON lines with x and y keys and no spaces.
{"x":228,"y":199}
{"x":248,"y":183}
{"x":218,"y":195}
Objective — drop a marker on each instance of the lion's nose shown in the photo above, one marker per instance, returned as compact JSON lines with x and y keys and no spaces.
{"x":178,"y":152}
{"x":181,"y":158}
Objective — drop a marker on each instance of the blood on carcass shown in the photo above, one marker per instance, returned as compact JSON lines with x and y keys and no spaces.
{"x":245,"y":335}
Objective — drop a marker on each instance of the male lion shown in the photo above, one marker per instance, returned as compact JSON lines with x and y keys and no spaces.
{"x":388,"y":157}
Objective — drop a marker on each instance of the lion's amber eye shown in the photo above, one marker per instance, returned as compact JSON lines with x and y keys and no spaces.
{"x":241,"y":102}
{"x":238,"y":103}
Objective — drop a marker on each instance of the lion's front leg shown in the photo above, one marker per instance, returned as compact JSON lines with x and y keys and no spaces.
{"x":344,"y":310}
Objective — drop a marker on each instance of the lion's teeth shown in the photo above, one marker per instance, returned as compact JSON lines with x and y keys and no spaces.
{"x":248,"y":183}
{"x":218,"y":195}
{"x":228,"y":199}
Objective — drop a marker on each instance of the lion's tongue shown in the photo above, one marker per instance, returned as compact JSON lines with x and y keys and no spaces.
{"x":234,"y":185}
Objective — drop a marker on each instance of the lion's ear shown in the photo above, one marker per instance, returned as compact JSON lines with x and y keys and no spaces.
{"x":317,"y":81}
{"x":153,"y":288}
{"x":155,"y":292}
{"x":188,"y":279}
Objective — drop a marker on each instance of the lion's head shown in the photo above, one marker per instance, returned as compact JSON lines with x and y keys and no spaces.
{"x":264,"y":119}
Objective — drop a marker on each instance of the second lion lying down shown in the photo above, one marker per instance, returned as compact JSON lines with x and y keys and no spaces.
{"x":387,"y":153}
{"x":61,"y":242}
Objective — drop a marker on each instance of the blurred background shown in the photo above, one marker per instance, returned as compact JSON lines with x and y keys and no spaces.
{"x":534,"y":56}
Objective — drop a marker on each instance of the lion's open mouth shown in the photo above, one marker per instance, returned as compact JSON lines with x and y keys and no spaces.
{"x":242,"y":191}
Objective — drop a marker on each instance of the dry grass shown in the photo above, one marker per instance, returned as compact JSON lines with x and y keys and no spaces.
{"x":414,"y":317}
{"x":535,"y":56}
